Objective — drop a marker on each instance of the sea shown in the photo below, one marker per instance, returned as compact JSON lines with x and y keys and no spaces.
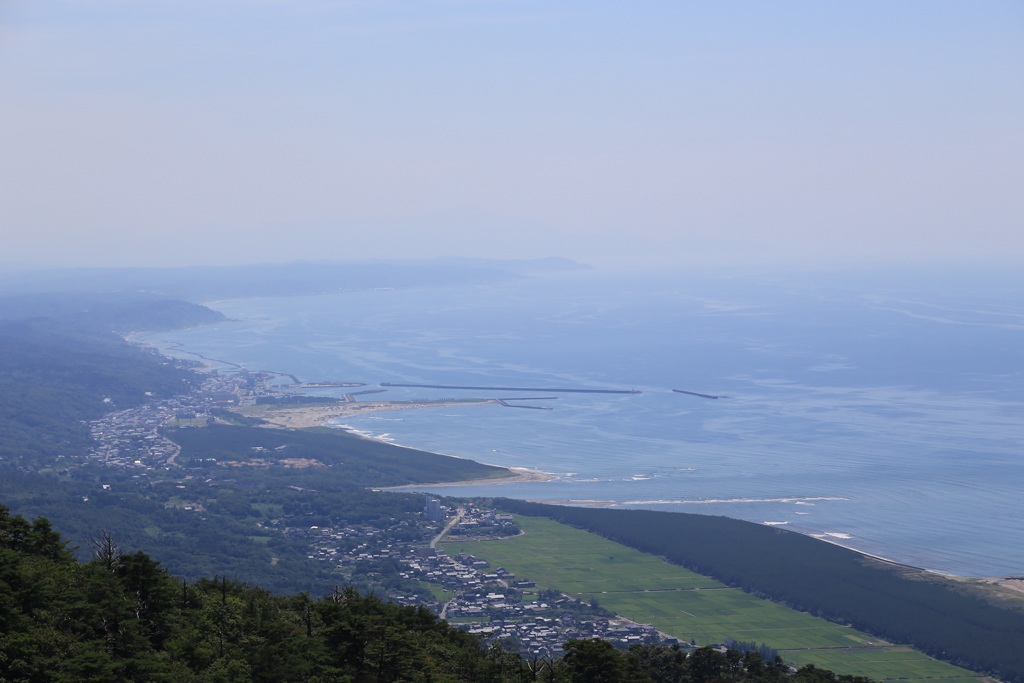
{"x":882,"y":410}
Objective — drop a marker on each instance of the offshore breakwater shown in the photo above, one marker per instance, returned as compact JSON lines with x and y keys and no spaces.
{"x":550,"y":390}
{"x":698,"y":394}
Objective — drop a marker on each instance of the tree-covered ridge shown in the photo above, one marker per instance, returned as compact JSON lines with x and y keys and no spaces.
{"x":823,"y":579}
{"x":108,"y":311}
{"x":122,"y":617}
{"x":62,"y":363}
{"x":54,"y":376}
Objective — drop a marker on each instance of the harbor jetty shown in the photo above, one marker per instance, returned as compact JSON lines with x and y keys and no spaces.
{"x":514,"y":402}
{"x":505,"y":402}
{"x":694,"y":393}
{"x":549,"y":390}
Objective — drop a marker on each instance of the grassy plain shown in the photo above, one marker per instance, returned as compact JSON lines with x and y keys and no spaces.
{"x":693,"y":607}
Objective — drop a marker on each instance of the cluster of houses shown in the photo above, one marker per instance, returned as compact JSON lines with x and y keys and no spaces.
{"x":490,"y":602}
{"x":130,"y":438}
{"x":544,"y":635}
{"x":475,"y":522}
{"x":497,"y":605}
{"x":348,"y":545}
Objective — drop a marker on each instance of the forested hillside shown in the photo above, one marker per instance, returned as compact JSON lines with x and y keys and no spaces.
{"x":933,"y":615}
{"x":55,"y":376}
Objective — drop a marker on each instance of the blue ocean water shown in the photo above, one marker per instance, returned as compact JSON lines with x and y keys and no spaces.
{"x":883,"y":410}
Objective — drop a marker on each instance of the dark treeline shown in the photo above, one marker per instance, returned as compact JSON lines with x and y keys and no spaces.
{"x":121,"y":617}
{"x":934,"y":615}
{"x":766,"y":652}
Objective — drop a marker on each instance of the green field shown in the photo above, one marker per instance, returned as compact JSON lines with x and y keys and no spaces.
{"x":692,"y":607}
{"x":440,"y":593}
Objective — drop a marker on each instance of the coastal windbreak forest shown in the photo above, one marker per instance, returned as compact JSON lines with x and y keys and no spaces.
{"x":935,"y":615}
{"x":133,"y":588}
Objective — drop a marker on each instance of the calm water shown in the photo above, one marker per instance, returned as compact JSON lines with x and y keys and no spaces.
{"x":882,"y":410}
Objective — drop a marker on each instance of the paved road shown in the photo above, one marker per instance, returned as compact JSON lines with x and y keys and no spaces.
{"x":448,"y":527}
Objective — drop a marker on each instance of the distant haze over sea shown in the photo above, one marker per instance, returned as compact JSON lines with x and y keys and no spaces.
{"x":881,"y":410}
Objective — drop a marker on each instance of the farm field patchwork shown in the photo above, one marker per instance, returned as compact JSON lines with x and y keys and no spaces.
{"x":693,"y":607}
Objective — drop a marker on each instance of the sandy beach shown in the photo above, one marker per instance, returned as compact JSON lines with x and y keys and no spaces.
{"x":299,"y":417}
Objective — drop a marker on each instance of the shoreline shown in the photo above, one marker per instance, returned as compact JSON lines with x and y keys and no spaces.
{"x":520,"y":475}
{"x":304,"y":417}
{"x":301,"y":417}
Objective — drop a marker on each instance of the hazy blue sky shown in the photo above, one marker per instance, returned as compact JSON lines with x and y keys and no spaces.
{"x":221,"y":131}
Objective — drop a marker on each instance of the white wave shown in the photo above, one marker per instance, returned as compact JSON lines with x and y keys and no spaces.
{"x":775,"y":523}
{"x":706,"y":501}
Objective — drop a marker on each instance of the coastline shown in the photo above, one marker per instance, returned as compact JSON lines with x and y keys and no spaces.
{"x":300,"y":417}
{"x":304,"y":417}
{"x":520,"y":475}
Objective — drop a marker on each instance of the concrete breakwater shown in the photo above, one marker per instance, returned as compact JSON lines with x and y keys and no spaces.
{"x":694,"y":393}
{"x":550,"y":390}
{"x":505,"y":402}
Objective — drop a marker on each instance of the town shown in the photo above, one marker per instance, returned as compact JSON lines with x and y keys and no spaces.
{"x":490,"y":602}
{"x":407,"y":562}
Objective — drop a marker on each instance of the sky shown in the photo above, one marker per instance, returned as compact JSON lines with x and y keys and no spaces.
{"x":182,"y":132}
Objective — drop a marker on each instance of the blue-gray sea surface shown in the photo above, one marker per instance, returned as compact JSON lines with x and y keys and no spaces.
{"x":883,"y":411}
